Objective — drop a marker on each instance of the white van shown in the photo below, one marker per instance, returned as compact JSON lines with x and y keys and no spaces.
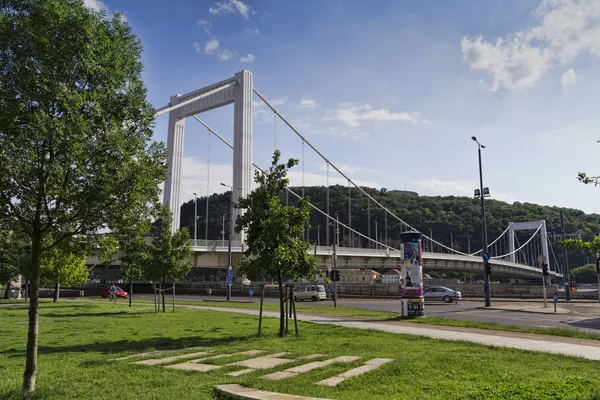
{"x":311,"y":292}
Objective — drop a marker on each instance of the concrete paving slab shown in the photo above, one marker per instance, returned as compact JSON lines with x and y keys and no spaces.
{"x":368,"y":366}
{"x":195,"y":365}
{"x":157,"y":361}
{"x":190,"y":366}
{"x":242,"y":392}
{"x":311,"y":356}
{"x":264,"y":362}
{"x":154,"y":353}
{"x":308,"y":367}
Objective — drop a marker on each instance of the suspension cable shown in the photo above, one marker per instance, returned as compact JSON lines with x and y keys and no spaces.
{"x":525,"y":244}
{"x":291,"y":191}
{"x":347,"y":178}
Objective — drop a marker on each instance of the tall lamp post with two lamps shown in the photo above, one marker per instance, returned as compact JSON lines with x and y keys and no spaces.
{"x":230,"y":267}
{"x":482,"y":193}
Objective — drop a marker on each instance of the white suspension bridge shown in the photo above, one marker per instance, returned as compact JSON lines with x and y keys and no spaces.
{"x":508,"y":256}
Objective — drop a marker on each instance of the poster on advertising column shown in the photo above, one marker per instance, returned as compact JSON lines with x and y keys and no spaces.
{"x":412,"y":270}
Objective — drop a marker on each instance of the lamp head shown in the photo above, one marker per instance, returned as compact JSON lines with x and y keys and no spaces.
{"x":474,"y":138}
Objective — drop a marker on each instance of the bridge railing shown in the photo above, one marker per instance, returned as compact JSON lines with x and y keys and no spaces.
{"x":212,"y":244}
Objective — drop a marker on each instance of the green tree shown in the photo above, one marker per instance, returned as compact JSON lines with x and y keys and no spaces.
{"x":168,"y":253}
{"x":75,"y":130}
{"x":63,"y":265}
{"x":274,"y":231}
{"x":585,"y":274}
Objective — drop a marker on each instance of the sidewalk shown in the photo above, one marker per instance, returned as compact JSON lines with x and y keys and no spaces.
{"x":585,"y":348}
{"x":540,"y":309}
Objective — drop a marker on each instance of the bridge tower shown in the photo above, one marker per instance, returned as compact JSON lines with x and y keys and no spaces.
{"x":236,"y":90}
{"x":517,"y":226}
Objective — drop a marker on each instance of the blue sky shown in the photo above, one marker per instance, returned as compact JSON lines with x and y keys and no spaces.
{"x":391,"y":91}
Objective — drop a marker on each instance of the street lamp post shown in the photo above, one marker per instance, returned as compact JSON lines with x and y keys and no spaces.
{"x":195,"y":218}
{"x":223,"y":232}
{"x":481,"y":193}
{"x":230,"y":267}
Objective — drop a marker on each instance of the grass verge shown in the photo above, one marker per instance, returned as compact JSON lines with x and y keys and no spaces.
{"x":78,"y":340}
{"x":344,"y":311}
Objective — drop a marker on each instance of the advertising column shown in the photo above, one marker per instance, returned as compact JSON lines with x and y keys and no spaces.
{"x":412,"y":275}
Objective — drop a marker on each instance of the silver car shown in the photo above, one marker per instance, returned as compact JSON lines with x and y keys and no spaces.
{"x":442,"y":293}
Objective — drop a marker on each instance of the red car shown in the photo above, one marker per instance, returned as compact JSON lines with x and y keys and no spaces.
{"x":120,"y":293}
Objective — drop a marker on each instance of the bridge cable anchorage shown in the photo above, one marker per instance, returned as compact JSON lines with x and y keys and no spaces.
{"x":525,"y":244}
{"x":290,"y":190}
{"x":350,"y":180}
{"x":169,"y":107}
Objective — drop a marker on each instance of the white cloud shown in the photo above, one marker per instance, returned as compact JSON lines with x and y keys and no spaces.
{"x":569,"y":78}
{"x":210,"y":46}
{"x":250,"y":58}
{"x":226,"y":55}
{"x":99,"y":6}
{"x":254,"y":31}
{"x":230,"y":6}
{"x":197,"y":47}
{"x":194,"y":179}
{"x":206,"y":25}
{"x":353,"y":114}
{"x":566,"y":29}
{"x":307,"y":103}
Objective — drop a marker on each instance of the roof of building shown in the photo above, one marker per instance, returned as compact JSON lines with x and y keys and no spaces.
{"x":393,"y":272}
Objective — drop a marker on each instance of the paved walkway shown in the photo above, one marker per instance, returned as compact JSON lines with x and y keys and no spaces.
{"x":584,"y":348}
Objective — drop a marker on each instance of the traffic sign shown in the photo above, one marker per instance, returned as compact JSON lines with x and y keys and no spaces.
{"x":230,"y":275}
{"x":486,"y":256}
{"x":250,"y":292}
{"x":556,"y":297}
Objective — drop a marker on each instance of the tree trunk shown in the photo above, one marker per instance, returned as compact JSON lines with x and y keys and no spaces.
{"x":56,"y":290}
{"x":162,"y":286}
{"x":281,"y":309}
{"x":130,"y":291}
{"x":34,"y":300}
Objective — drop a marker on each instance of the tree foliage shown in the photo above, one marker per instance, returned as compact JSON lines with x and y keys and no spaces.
{"x":585,"y":273}
{"x":274,"y":232}
{"x":75,"y":129}
{"x":64,"y":265}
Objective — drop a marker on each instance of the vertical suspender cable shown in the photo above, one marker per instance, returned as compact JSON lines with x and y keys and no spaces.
{"x":207,"y":188}
{"x":274,"y":132}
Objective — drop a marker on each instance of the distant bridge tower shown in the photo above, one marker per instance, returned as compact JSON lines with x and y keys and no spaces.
{"x":518,"y":226}
{"x":236,"y":90}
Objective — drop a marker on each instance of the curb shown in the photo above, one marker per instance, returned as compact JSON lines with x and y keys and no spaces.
{"x":564,"y":312}
{"x":239,"y":392}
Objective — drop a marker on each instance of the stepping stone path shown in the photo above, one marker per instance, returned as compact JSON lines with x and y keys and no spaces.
{"x":154,"y":353}
{"x":260,"y":363}
{"x":369,"y":366}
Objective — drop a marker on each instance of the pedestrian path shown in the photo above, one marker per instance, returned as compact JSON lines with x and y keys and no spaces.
{"x":588,"y":349}
{"x":240,"y":392}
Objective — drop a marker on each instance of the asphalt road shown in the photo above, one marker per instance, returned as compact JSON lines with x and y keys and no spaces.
{"x":583,"y":316}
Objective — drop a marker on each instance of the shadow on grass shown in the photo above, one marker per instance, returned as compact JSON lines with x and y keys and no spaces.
{"x":140,"y":346}
{"x":94,"y":314}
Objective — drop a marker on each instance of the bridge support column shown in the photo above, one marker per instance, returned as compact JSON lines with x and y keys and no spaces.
{"x":174,"y":159}
{"x":242,"y":141}
{"x":511,"y":242}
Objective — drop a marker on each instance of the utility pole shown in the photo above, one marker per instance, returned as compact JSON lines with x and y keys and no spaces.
{"x":369,"y":219}
{"x":566,"y":261}
{"x":335,"y":246}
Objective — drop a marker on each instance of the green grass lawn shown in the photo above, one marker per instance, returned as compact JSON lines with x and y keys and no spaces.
{"x":77,"y":340}
{"x":370,"y":314}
